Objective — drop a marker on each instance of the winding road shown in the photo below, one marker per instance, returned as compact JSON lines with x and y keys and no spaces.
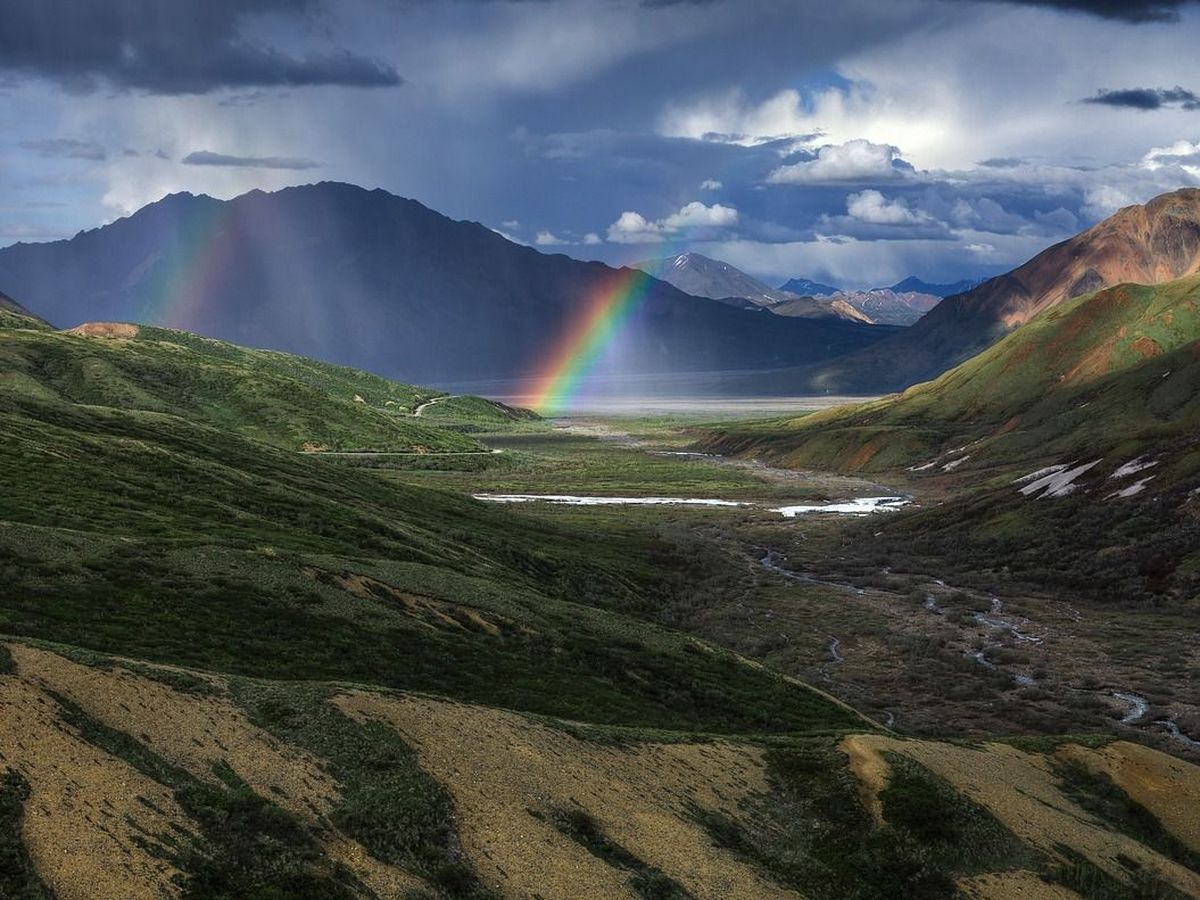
{"x":420,"y":410}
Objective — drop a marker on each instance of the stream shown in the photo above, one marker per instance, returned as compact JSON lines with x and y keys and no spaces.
{"x":859,"y":506}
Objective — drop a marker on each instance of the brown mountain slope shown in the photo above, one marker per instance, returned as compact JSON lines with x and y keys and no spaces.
{"x":820,"y":308}
{"x":1148,"y":244}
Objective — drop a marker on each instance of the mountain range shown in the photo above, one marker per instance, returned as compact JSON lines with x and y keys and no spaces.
{"x":915,"y":285}
{"x":806,"y":287}
{"x":886,"y":306}
{"x":1146,"y":244}
{"x":910,"y":285}
{"x":382,"y":283}
{"x":702,"y":276}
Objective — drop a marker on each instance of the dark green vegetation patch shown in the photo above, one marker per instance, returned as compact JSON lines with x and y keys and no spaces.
{"x":647,"y":881}
{"x":813,"y":834}
{"x":398,"y":812}
{"x":18,"y":878}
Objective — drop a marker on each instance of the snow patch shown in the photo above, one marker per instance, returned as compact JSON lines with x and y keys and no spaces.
{"x":1134,"y":489}
{"x":1040,"y":473}
{"x":1133,"y":466}
{"x":955,"y":463}
{"x":1057,"y":484}
{"x":860,"y":506}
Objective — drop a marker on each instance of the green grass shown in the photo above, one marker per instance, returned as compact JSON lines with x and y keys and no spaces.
{"x":148,"y":536}
{"x":475,"y":413}
{"x":282,"y":400}
{"x":559,"y":462}
{"x":388,"y":804}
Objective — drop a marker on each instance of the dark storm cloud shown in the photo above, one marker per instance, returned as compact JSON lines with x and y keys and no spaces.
{"x":165,"y":47}
{"x":1137,"y":11}
{"x":66,"y":148}
{"x":1147,"y":98}
{"x":207,"y":158}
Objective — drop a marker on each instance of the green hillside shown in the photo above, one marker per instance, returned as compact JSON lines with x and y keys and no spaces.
{"x":253,"y":672}
{"x":1105,"y":387}
{"x":1113,"y":372}
{"x":13,"y":315}
{"x":287,"y":401}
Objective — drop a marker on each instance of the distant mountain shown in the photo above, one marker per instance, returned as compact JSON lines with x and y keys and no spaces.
{"x":1149,"y":244}
{"x":824,"y":307}
{"x":368,"y":279}
{"x":900,"y":304}
{"x":885,"y":306}
{"x":915,"y":285}
{"x":807,"y":288}
{"x":701,"y":276}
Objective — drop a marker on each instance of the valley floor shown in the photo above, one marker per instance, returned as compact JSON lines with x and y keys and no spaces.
{"x":917,"y":648}
{"x":335,"y":675}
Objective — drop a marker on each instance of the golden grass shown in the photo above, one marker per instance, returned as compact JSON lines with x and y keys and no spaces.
{"x":86,"y":808}
{"x":1021,"y":790}
{"x":193,"y":731}
{"x":507,"y":775}
{"x":1019,"y":884}
{"x":1168,"y":787}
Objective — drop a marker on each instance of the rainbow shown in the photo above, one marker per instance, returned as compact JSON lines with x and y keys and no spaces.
{"x":197,"y":260}
{"x":558,"y":381}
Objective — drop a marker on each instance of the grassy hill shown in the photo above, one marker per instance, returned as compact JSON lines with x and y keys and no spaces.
{"x":1107,"y":383}
{"x":14,"y":315}
{"x":1109,"y":372}
{"x":284,"y":400}
{"x":248,"y":672}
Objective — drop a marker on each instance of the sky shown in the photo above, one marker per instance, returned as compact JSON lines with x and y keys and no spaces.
{"x":853,"y":142}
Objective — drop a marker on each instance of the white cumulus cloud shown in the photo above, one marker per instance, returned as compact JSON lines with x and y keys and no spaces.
{"x":871,"y":206}
{"x":634,"y":228}
{"x":857,"y":160}
{"x":548,"y":239}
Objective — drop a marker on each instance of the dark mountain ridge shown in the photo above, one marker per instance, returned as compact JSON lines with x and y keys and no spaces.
{"x":913,"y":284}
{"x":382,"y":283}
